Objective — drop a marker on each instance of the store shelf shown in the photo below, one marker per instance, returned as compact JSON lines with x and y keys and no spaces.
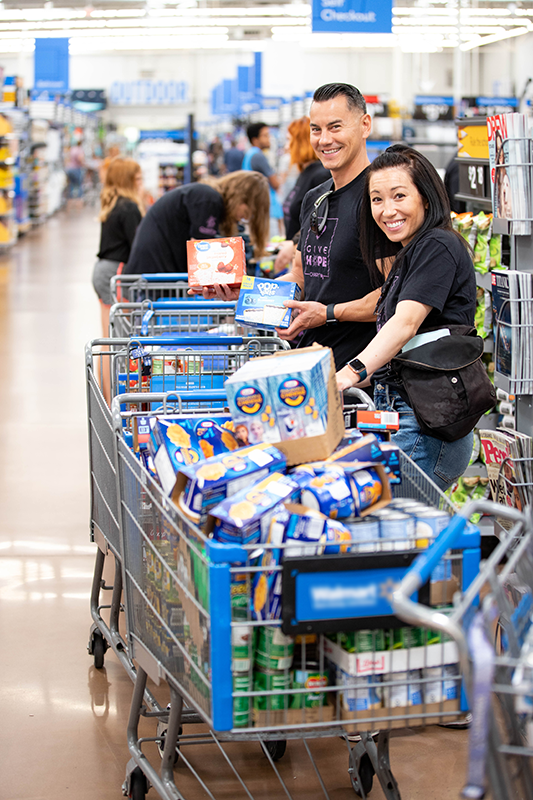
{"x":477,"y":470}
{"x":488,"y":344}
{"x":488,"y":422}
{"x":484,"y":281}
{"x":483,"y":203}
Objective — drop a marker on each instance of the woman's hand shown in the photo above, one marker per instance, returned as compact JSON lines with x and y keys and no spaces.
{"x":285,"y":255}
{"x":220,"y":291}
{"x":346,"y":378}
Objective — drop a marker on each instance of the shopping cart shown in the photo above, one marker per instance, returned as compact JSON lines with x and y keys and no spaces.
{"x":493,"y":639}
{"x":194,"y":385}
{"x":187,"y":627}
{"x":151,"y":286}
{"x":166,"y":317}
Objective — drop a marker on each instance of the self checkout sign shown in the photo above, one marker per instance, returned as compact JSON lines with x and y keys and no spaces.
{"x":352,"y":16}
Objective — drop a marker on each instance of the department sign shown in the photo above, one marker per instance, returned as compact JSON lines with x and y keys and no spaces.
{"x":352,"y":16}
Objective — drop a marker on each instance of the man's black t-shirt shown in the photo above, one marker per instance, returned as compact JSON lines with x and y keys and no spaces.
{"x":313,"y":175}
{"x":333,"y":267}
{"x":438,"y":272}
{"x":118,"y":230}
{"x":189,"y":212}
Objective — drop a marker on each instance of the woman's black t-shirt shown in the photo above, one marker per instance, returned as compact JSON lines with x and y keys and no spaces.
{"x":438,"y":272}
{"x":118,"y":231}
{"x":189,"y":212}
{"x":313,"y":175}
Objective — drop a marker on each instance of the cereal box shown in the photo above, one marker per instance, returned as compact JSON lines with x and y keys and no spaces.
{"x":179,"y":440}
{"x":245,"y":517}
{"x":201,"y":486}
{"x":211,"y":261}
{"x":261,"y":302}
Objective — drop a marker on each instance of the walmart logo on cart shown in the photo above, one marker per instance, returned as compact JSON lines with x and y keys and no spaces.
{"x":334,"y":596}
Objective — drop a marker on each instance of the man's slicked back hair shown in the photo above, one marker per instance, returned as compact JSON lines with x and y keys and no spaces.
{"x":354,"y":98}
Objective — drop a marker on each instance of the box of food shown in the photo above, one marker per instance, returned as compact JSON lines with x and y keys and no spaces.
{"x":201,"y":486}
{"x":261,"y":302}
{"x":211,"y":261}
{"x":291,"y":400}
{"x":245,"y":517}
{"x":179,"y":440}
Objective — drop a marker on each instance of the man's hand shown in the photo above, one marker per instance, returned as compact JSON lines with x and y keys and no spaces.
{"x":307,"y":314}
{"x":346,"y":378}
{"x":220,"y":291}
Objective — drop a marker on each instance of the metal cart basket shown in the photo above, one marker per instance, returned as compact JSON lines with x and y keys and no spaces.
{"x":187,"y":626}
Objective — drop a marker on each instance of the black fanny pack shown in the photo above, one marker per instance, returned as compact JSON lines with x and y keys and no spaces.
{"x":446,"y":383}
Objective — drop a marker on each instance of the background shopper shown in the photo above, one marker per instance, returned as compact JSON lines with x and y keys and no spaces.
{"x":431,"y":285}
{"x":200,"y":211}
{"x":259,"y":135}
{"x":312,"y":174}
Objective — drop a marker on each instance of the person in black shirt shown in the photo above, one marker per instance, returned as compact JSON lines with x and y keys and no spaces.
{"x":312,"y":173}
{"x":338,"y":306}
{"x":121,"y":212}
{"x":430,"y":286}
{"x":199,"y":211}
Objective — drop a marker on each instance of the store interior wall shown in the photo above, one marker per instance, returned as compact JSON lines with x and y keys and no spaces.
{"x":501,"y":68}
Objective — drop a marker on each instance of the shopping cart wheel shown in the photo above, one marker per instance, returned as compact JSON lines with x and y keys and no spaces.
{"x":363,"y":785}
{"x":138,"y":785}
{"x":97,"y":648}
{"x":276,"y":749}
{"x":161,"y":734}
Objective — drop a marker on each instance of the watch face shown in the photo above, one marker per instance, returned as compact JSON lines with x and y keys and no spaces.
{"x":357,"y":365}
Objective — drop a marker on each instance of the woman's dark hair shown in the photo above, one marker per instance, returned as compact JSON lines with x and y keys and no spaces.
{"x":375,"y":245}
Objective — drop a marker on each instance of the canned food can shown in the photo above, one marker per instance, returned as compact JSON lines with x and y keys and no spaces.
{"x":429,"y":522}
{"x":442,"y":686}
{"x":406,"y":689}
{"x":406,"y":502}
{"x":274,"y":650}
{"x":366,"y":487}
{"x":361,"y":693}
{"x":335,"y":538}
{"x":405,"y":638}
{"x":269,"y":682}
{"x":369,"y":641}
{"x":242,"y":647}
{"x":397,"y":531}
{"x":309,"y":678}
{"x":365,"y":533}
{"x":241,"y":705}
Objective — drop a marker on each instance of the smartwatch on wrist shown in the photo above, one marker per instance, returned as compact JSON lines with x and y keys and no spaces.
{"x":359,"y":368}
{"x":330,"y":314}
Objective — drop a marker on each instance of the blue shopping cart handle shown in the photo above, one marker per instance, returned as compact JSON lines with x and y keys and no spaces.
{"x":187,"y":340}
{"x":187,"y":305}
{"x":163,"y":277}
{"x":199,"y":395}
{"x":426,"y":562}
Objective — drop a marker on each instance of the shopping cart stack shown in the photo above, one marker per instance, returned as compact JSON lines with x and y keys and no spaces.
{"x":152,"y":286}
{"x":494,"y":640}
{"x":275,"y":621}
{"x":168,"y":317}
{"x":181,"y":365}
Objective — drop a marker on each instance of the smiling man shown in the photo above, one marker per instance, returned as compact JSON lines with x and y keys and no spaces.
{"x":338,"y":305}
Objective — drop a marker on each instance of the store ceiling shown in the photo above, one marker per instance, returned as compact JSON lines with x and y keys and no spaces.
{"x":418,"y":25}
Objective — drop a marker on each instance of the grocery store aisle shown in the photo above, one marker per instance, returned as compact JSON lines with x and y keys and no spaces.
{"x":63,"y":722}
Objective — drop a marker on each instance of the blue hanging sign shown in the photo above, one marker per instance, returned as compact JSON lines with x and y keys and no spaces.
{"x":51,"y":65}
{"x":352,"y":16}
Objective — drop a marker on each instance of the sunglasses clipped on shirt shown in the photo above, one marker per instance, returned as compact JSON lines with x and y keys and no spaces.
{"x":317,"y":223}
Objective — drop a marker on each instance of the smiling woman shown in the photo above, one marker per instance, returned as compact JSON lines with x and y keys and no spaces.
{"x":430,"y":287}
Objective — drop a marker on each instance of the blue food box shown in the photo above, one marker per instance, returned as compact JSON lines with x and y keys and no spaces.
{"x":245,"y":517}
{"x":179,"y":440}
{"x":260,"y":303}
{"x":201,"y":486}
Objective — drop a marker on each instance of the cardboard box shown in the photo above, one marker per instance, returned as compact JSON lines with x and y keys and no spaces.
{"x":261,"y":302}
{"x":314,"y":448}
{"x":211,"y":261}
{"x":382,"y":661}
{"x":292,"y":716}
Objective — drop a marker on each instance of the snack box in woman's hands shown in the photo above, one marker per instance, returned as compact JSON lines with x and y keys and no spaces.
{"x":211,"y":261}
{"x":261,"y":302}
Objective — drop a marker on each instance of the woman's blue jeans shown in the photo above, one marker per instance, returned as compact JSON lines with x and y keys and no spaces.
{"x":443,"y":462}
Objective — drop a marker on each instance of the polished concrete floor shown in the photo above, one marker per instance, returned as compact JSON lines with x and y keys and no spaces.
{"x":62,"y":731}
